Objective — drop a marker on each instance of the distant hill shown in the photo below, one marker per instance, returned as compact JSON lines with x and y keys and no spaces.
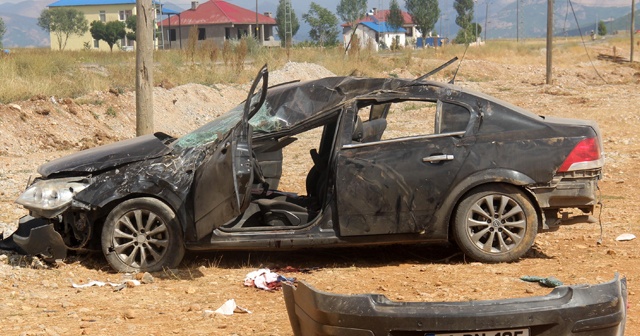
{"x":31,"y":8}
{"x":613,"y":25}
{"x":21,"y":21}
{"x":533,"y":18}
{"x":23,"y":32}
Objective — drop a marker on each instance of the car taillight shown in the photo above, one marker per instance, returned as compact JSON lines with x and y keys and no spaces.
{"x":585,"y":155}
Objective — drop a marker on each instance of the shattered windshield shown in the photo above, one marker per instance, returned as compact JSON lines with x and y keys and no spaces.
{"x":284,"y":107}
{"x":211,"y":131}
{"x":262,"y":122}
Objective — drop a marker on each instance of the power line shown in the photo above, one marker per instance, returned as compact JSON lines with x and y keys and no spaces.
{"x":583,"y":43}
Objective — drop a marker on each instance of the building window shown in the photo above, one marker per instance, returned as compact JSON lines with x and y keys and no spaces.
{"x":172,"y":35}
{"x":123,"y":15}
{"x":227,"y":33}
{"x":96,"y":44}
{"x":126,"y":44}
{"x":409,"y":32}
{"x":103,"y":16}
{"x":201,"y":34}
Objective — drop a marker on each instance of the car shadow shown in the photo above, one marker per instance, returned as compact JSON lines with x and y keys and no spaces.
{"x":310,"y":259}
{"x":302,"y":259}
{"x":537,"y":253}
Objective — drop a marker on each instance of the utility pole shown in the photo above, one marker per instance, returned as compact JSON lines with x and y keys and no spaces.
{"x":144,"y":67}
{"x":633,"y":27}
{"x":288,"y":26}
{"x":475,"y":22}
{"x":549,"y":39}
{"x":517,"y":20}
{"x":486,"y":20}
{"x":257,"y":29}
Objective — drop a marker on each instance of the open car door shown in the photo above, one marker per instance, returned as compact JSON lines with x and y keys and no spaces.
{"x":222,"y":184}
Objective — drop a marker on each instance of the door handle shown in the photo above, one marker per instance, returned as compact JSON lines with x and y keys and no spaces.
{"x":438,"y":158}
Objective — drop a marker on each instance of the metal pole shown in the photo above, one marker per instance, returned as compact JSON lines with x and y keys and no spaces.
{"x":486,"y":20}
{"x":475,"y":23}
{"x":549,"y":39}
{"x":257,"y":34}
{"x":633,"y":27}
{"x":517,"y":20}
{"x":144,"y":67}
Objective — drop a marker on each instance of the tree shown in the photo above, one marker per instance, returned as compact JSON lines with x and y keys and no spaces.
{"x":464,"y":8}
{"x":324,"y":25}
{"x":131,"y":23}
{"x":424,"y":14}
{"x":602,"y":28}
{"x":63,"y":22}
{"x":476,"y":28}
{"x":395,"y":20}
{"x":2,"y":31}
{"x":281,"y":19}
{"x":352,"y":10}
{"x":110,"y":32}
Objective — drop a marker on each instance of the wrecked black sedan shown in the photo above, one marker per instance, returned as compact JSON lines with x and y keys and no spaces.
{"x":396,"y":161}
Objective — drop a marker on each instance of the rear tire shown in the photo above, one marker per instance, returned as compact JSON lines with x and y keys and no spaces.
{"x":142,"y":234}
{"x":495,"y":223}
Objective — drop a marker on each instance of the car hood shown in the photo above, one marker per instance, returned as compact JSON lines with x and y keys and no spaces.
{"x":109,"y":156}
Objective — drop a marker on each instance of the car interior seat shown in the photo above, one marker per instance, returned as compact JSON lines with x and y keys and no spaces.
{"x":372,"y":130}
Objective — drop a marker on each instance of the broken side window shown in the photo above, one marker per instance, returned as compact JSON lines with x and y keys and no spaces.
{"x":409,"y":119}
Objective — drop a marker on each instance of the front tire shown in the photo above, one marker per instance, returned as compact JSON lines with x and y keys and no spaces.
{"x":142,"y":234}
{"x":495,"y":223}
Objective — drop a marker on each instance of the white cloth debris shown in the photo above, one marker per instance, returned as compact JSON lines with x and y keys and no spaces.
{"x":262,"y":278}
{"x":101,"y":284}
{"x":626,"y":236}
{"x":228,"y":308}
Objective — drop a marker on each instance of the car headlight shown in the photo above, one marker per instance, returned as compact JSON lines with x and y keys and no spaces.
{"x":49,"y":198}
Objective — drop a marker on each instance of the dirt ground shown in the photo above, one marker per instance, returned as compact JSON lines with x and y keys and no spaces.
{"x":38,"y":299}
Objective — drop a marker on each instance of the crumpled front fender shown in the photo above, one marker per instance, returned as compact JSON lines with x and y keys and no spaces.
{"x":36,"y":236}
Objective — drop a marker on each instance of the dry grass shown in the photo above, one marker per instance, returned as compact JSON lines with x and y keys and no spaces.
{"x":31,"y":72}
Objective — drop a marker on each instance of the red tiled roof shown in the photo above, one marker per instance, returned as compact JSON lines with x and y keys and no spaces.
{"x":381,"y":16}
{"x":217,"y":12}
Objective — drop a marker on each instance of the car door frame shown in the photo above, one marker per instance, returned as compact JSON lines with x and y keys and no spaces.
{"x":222,"y":183}
{"x":423,"y":222}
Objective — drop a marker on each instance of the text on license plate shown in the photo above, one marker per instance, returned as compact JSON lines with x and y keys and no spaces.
{"x":510,"y":332}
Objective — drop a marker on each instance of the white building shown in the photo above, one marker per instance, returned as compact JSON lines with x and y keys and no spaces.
{"x":377,"y":35}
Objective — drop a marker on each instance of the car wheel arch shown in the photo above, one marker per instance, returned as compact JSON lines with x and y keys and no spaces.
{"x":173,"y":201}
{"x":482,"y":178}
{"x":526,"y":191}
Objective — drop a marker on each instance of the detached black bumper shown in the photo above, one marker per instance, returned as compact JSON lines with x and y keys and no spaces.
{"x":567,"y":310}
{"x":36,"y":236}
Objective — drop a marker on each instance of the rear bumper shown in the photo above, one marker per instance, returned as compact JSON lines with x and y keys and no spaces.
{"x":568,"y":193}
{"x":567,"y":310}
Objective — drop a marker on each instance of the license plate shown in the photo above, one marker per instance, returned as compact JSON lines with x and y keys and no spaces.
{"x":507,"y":332}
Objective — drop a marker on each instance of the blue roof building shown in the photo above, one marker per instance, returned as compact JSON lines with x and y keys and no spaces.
{"x":382,"y":27}
{"x":376,"y":35}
